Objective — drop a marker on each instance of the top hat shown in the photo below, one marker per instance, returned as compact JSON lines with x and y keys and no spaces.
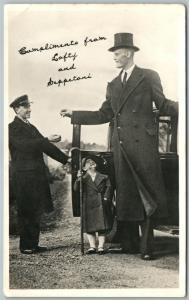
{"x":123,"y":40}
{"x":20,"y":101}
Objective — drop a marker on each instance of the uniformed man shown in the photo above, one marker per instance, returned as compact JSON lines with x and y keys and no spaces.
{"x":140,"y":192}
{"x":30,"y":182}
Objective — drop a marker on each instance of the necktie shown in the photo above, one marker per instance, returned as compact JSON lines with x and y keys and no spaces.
{"x":27,"y":122}
{"x":124,"y":79}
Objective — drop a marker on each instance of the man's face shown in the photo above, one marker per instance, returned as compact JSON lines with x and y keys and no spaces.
{"x":122,"y":57}
{"x":23,"y":111}
{"x":89,"y":164}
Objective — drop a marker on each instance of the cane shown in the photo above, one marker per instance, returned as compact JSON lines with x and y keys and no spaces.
{"x":81,"y":206}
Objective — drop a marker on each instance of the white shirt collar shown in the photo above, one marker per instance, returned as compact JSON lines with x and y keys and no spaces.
{"x":129,"y":71}
{"x":93,"y":176}
{"x":23,"y":120}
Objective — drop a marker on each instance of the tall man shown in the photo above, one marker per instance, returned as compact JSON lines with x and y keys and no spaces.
{"x":30,"y":183}
{"x":140,"y":191}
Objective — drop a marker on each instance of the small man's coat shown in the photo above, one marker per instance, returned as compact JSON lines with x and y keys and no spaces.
{"x":97,"y":212}
{"x":139,"y":182}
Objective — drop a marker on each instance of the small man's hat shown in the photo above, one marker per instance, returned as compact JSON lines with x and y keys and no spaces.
{"x":97,"y":159}
{"x":123,"y":40}
{"x":20,"y":101}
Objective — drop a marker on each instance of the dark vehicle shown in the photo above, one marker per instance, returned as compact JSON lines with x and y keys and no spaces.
{"x":170,"y":165}
{"x":169,"y":160}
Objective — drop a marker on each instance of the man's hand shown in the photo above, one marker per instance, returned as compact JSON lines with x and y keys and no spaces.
{"x":69,"y":160}
{"x":79,"y":175}
{"x":54,"y":138}
{"x":67,"y":166}
{"x":66,"y":113}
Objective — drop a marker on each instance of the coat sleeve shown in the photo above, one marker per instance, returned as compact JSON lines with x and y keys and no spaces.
{"x":103,"y":115}
{"x":30,"y":145}
{"x":52,"y":151}
{"x":76,"y":185}
{"x":109,"y":190}
{"x":166,"y":107}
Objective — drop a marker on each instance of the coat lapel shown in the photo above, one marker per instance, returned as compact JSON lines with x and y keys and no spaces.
{"x":91,"y":183}
{"x":118,"y":82}
{"x":94,"y":184}
{"x":24,"y":125}
{"x":133,"y":81}
{"x":99,"y":178}
{"x":117,"y":88}
{"x":21,"y":123}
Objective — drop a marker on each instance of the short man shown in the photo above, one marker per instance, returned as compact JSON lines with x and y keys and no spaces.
{"x":30,"y":183}
{"x":140,"y":191}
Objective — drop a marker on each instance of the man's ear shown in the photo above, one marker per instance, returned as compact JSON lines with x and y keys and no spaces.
{"x":128,"y":53}
{"x":16,"y":109}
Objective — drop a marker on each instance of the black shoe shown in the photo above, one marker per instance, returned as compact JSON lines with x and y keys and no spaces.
{"x":27,"y":251}
{"x":101,"y":251}
{"x":40,"y":249}
{"x":147,"y":256}
{"x":91,"y":251}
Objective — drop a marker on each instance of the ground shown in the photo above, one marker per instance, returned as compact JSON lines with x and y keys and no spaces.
{"x":63,"y":266}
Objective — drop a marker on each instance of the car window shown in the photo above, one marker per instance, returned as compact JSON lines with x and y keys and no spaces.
{"x":167,"y":134}
{"x":99,"y":138}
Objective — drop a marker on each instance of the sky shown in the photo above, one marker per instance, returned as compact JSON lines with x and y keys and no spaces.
{"x":159,"y":32}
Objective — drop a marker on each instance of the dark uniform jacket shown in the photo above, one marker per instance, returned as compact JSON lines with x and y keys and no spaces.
{"x":139,"y":185}
{"x":30,"y":182}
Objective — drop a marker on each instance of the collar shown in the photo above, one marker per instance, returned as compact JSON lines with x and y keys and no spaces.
{"x":129,"y":71}
{"x":23,"y":120}
{"x":93,"y":176}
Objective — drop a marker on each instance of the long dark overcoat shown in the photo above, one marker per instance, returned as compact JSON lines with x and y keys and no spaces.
{"x":97,"y":212}
{"x":139,"y":184}
{"x":30,"y":182}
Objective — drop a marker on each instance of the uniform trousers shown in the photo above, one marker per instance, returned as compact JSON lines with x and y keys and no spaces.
{"x":29,"y":229}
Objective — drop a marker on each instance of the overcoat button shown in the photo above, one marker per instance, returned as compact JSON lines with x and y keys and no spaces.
{"x":119,"y":127}
{"x":119,"y":114}
{"x":121,"y":142}
{"x":134,"y":110}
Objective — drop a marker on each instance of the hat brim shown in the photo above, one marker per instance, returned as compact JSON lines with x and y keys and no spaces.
{"x":98,"y":160}
{"x":20,"y":104}
{"x":112,"y":49}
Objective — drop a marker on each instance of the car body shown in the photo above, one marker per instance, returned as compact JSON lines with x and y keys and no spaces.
{"x":167,"y":133}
